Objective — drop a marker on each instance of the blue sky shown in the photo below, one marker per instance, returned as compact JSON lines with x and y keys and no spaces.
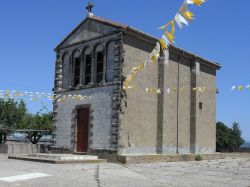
{"x":30,"y":30}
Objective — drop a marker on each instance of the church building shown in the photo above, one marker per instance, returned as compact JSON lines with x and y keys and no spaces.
{"x":95,"y":59}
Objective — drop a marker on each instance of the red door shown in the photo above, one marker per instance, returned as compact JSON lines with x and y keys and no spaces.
{"x":82,"y":129}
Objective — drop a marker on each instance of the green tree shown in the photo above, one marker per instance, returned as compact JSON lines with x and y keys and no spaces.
{"x":37,"y":125}
{"x":237,"y":140}
{"x":11,"y":112}
{"x":228,"y":138}
{"x":222,"y":136}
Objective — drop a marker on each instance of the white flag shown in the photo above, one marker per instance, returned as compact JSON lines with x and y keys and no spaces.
{"x":168,"y":90}
{"x":189,"y":2}
{"x":177,"y":20}
{"x":166,"y":56}
{"x":182,"y":19}
{"x":158,"y":47}
{"x":165,"y":39}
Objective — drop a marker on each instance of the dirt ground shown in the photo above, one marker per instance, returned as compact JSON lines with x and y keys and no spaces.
{"x":234,"y":170}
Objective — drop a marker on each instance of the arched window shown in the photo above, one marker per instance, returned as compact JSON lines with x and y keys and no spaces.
{"x":99,"y":70}
{"x":66,"y":71}
{"x":88,"y":66}
{"x":77,"y":68}
{"x":110,"y":61}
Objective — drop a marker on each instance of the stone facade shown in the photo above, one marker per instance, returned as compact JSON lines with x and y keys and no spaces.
{"x":133,"y":121}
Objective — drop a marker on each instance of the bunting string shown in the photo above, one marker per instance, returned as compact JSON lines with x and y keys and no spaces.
{"x":36,"y":96}
{"x":182,"y":17}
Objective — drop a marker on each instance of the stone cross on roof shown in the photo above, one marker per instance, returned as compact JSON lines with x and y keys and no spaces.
{"x":90,"y":6}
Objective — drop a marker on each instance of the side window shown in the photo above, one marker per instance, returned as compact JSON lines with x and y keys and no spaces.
{"x":88,"y":67}
{"x":99,"y":60}
{"x":99,"y":67}
{"x":77,"y":68}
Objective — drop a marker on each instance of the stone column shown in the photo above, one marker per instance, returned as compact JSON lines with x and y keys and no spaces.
{"x":58,"y":74}
{"x":116,"y":100}
{"x":195,"y":71}
{"x":160,"y":107}
{"x":57,"y":87}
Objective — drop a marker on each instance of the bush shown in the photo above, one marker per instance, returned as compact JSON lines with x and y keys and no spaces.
{"x":198,"y":157}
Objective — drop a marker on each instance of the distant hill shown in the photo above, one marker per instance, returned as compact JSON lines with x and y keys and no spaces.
{"x":246,"y":145}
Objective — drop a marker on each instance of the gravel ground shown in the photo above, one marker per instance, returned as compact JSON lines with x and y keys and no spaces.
{"x":232,"y":171}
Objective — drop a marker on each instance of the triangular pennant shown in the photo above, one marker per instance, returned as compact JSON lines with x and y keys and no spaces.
{"x":182,"y":19}
{"x":178,"y":21}
{"x":166,"y":56}
{"x":183,"y":8}
{"x":158,"y":47}
{"x":189,"y":2}
{"x":198,"y":2}
{"x":158,"y":91}
{"x":164,"y":42}
{"x":188,"y":15}
{"x":170,"y":35}
{"x":141,"y":67}
{"x":195,"y":89}
{"x":168,"y":90}
{"x":163,"y":27}
{"x":240,"y":88}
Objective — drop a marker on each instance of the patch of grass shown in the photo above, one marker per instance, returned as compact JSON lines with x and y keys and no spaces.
{"x":198,"y":157}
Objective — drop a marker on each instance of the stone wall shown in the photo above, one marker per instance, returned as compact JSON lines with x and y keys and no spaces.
{"x":172,"y":122}
{"x":100,"y":101}
{"x":19,"y":148}
{"x":206,"y":117}
{"x":104,"y":102}
{"x":138,"y":132}
{"x":176,"y":133}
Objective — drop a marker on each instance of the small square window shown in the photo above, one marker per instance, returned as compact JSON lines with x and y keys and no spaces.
{"x":200,"y":105}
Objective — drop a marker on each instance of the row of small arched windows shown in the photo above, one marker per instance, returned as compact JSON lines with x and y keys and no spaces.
{"x":89,"y":66}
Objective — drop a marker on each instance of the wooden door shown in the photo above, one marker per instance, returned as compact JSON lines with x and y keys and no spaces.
{"x":82,"y":129}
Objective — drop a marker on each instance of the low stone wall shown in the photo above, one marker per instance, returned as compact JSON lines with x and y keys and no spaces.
{"x":20,"y":148}
{"x":138,"y":159}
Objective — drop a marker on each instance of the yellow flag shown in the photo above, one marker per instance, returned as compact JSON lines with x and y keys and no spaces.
{"x":154,"y":59}
{"x":198,"y":2}
{"x":141,"y":67}
{"x":240,"y":88}
{"x":158,"y":91}
{"x":170,"y":35}
{"x":162,"y":27}
{"x":188,"y":15}
{"x":150,"y":90}
{"x":203,"y":89}
{"x":163,"y":44}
